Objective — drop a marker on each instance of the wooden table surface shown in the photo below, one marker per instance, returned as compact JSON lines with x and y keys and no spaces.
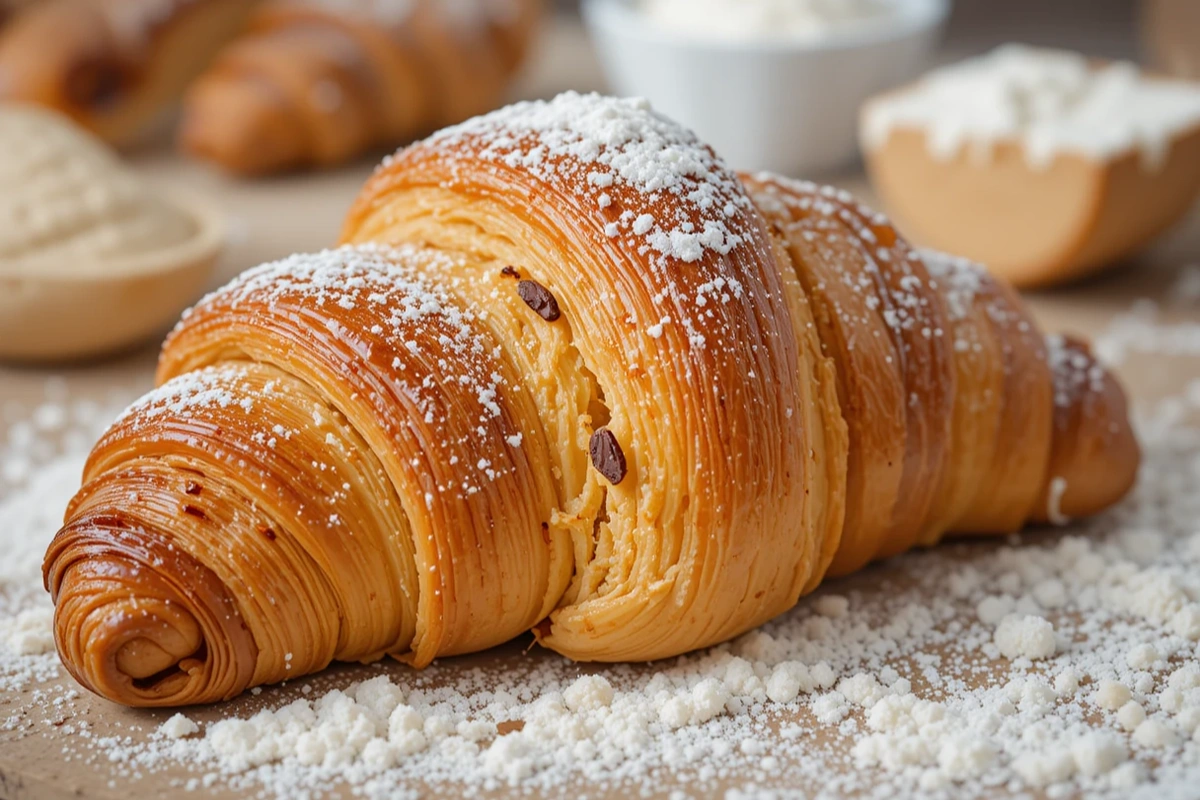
{"x":275,"y":217}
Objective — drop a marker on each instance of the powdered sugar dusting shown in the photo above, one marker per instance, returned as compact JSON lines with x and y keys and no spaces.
{"x":962,"y":280}
{"x":180,"y":397}
{"x":1074,"y":371}
{"x":892,"y":280}
{"x":435,"y":337}
{"x":599,"y":144}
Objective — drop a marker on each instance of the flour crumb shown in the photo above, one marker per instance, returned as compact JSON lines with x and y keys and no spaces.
{"x":178,"y":727}
{"x":31,"y":632}
{"x":1131,"y":715}
{"x":1155,"y":734}
{"x":1111,"y":695}
{"x":1029,"y":637}
{"x":834,"y":606}
{"x":588,"y":693}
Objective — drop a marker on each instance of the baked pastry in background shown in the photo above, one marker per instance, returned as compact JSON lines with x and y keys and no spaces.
{"x":114,"y":66}
{"x":9,"y":8}
{"x":92,"y":259}
{"x":568,"y":372}
{"x":317,"y":82}
{"x":1088,"y":161}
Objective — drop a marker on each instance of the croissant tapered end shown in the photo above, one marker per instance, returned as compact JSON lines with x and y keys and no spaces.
{"x":1095,"y":456}
{"x":242,"y":123}
{"x":71,"y":75}
{"x":141,"y":623}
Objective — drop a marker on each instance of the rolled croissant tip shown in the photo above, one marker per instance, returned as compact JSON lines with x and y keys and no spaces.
{"x":146,"y":650}
{"x":144,"y":635}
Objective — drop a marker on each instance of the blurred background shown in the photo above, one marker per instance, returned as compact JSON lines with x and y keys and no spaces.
{"x":192,"y":140}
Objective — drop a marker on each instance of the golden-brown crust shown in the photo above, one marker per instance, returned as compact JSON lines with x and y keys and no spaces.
{"x":1029,"y":428}
{"x":1094,"y":456}
{"x":880,"y":321}
{"x":436,"y":401}
{"x":780,"y":387}
{"x":271,"y":443}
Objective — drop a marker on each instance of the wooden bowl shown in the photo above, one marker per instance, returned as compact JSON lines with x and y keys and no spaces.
{"x":1035,"y":226}
{"x":60,"y":312}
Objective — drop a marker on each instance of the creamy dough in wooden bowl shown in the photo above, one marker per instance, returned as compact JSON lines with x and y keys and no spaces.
{"x":91,"y":258}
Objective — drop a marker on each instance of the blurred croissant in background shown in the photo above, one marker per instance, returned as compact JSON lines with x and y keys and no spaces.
{"x":114,"y":66}
{"x":10,"y":7}
{"x":315,"y":82}
{"x":273,"y":86}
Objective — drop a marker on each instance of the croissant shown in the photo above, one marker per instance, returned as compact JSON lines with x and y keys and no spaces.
{"x":566,"y":372}
{"x":317,"y":82}
{"x":10,"y":8}
{"x":114,"y":66}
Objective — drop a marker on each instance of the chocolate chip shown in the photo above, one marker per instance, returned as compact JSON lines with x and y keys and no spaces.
{"x":193,"y":488}
{"x":195,"y":512}
{"x":510,"y":272}
{"x":108,"y":521}
{"x":607,"y":456}
{"x":267,"y":531}
{"x":538,"y":298}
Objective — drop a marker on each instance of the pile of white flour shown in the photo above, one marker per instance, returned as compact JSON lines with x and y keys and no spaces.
{"x":1060,"y":662}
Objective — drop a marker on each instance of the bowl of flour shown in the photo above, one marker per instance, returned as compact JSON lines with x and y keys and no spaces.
{"x":771,"y":84}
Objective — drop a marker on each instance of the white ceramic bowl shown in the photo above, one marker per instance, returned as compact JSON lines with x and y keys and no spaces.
{"x":786,"y":105}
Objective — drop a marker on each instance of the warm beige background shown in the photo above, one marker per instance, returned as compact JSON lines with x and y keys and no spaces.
{"x":272,"y":218}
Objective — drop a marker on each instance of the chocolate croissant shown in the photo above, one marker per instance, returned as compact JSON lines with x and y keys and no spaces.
{"x":114,"y":66}
{"x":318,"y":82}
{"x":569,"y":373}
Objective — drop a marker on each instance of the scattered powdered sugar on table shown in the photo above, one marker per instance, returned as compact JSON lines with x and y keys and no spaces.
{"x":41,"y":461}
{"x":1144,"y":330}
{"x":25,"y":517}
{"x":1059,"y":663}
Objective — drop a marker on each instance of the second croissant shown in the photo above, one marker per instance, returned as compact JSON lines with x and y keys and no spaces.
{"x":567,"y":372}
{"x":316,"y":82}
